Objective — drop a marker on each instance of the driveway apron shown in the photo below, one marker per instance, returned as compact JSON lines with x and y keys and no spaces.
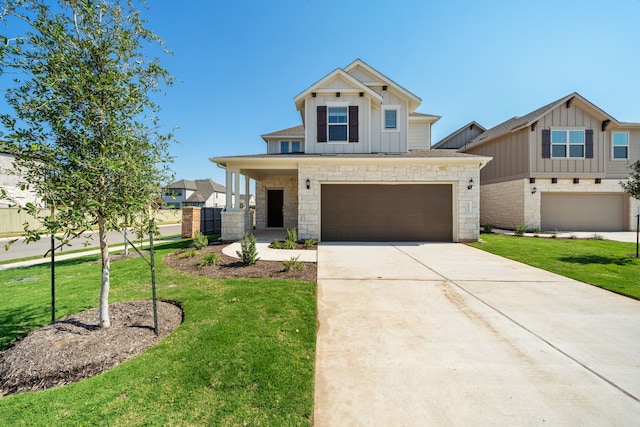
{"x":445,"y":334}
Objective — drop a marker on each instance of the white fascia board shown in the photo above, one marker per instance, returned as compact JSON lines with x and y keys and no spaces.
{"x":414,"y":101}
{"x":426,"y":118}
{"x":317,"y":87}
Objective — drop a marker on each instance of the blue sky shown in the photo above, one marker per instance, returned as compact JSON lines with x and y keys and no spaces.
{"x":239,"y":64}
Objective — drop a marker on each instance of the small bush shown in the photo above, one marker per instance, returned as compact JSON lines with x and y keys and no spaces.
{"x":309,"y":243}
{"x":573,"y":237}
{"x":293,"y":264}
{"x":200,"y":241}
{"x":276,"y":244}
{"x":209,"y":259}
{"x":190,"y":253}
{"x":292,"y":236}
{"x":597,"y":236}
{"x":520,"y":230}
{"x":487,"y":228}
{"x":289,"y":244}
{"x":248,"y":252}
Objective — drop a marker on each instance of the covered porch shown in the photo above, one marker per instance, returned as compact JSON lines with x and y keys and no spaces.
{"x":276,"y":188}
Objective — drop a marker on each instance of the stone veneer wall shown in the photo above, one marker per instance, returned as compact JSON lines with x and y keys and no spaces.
{"x":502,"y":205}
{"x":290,"y":186}
{"x":466,"y":211}
{"x":233,"y":225}
{"x":509,"y":204}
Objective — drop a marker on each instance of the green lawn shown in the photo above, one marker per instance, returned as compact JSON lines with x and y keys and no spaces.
{"x":243,"y":356}
{"x":603,"y":263}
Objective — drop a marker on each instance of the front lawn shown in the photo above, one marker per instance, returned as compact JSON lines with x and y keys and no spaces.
{"x":243,"y":356}
{"x":602,"y":263}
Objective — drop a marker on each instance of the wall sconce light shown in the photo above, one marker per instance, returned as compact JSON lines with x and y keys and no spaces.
{"x":533,"y":190}
{"x":470,"y":186}
{"x":308,"y":182}
{"x":576,"y":180}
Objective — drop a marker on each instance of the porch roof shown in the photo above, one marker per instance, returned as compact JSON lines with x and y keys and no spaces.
{"x":258,"y":166}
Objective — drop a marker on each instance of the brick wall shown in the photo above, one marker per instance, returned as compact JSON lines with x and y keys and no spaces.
{"x":190,"y":222}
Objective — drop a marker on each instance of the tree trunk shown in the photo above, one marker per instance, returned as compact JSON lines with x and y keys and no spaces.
{"x":126,"y":242}
{"x":105,"y":322}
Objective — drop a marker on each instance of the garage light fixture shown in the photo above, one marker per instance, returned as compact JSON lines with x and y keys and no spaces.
{"x":470,"y":186}
{"x":308,"y":182}
{"x":533,"y":190}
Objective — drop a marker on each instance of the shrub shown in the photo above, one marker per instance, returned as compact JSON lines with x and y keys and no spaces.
{"x":520,"y":230}
{"x":209,"y":259}
{"x":309,"y":243}
{"x":292,"y":236}
{"x":276,"y":244}
{"x":289,"y":244}
{"x":487,"y":228}
{"x":293,"y":264}
{"x":200,"y":241}
{"x":189,"y":253}
{"x":248,"y":252}
{"x":597,"y":236}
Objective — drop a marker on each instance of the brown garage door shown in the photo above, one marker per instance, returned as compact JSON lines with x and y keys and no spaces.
{"x":375,"y":212}
{"x":584,"y":212}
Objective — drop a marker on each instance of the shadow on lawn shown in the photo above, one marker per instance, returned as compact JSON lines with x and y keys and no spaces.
{"x":597,"y":259}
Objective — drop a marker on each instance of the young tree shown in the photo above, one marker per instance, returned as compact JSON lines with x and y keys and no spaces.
{"x":632,"y":186}
{"x":83,"y":129}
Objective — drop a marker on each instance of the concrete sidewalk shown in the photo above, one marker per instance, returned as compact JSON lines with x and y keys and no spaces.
{"x":263,"y":239}
{"x":445,"y":334}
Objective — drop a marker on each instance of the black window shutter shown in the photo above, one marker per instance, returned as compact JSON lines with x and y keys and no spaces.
{"x":588,"y":143}
{"x":353,"y":123}
{"x":321,"y":119}
{"x":546,"y":143}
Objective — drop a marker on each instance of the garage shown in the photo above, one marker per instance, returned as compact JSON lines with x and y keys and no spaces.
{"x":379,"y":212}
{"x":584,"y":212}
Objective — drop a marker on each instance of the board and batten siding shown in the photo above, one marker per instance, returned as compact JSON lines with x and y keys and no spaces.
{"x":619,"y":168}
{"x":573,"y":117}
{"x":510,"y":157}
{"x":389,"y":141}
{"x":462,"y":138}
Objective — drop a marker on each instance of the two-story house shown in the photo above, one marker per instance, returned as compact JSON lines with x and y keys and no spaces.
{"x":359,"y":168}
{"x":200,"y":193}
{"x":558,"y":168}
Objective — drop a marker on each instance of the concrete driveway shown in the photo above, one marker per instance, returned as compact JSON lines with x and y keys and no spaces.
{"x":445,"y":334}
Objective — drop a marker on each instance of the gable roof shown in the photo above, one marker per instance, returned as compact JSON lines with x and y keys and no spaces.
{"x":338,"y":72}
{"x":414,"y":101}
{"x":292,"y":132}
{"x":203,"y":188}
{"x":443,"y":142}
{"x":183,"y":184}
{"x":518,"y":123}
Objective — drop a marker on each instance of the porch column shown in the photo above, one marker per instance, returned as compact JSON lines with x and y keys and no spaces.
{"x":246,"y":193}
{"x":236,"y":190}
{"x":228,"y":189}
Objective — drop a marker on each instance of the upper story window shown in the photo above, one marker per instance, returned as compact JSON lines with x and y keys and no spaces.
{"x":290,"y":146}
{"x":567,"y":143}
{"x":390,"y":118}
{"x":338,"y":121}
{"x":620,"y":145}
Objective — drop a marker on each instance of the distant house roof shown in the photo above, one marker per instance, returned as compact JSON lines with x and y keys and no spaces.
{"x":292,"y":132}
{"x":517,"y":123}
{"x":203,"y":188}
{"x":454,"y":140}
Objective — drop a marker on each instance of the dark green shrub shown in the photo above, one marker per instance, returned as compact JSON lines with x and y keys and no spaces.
{"x":293,"y":264}
{"x":520,"y":230}
{"x":309,"y":243}
{"x":200,"y":241}
{"x":487,"y":228}
{"x":248,"y":252}
{"x":276,"y":244}
{"x":209,"y":259}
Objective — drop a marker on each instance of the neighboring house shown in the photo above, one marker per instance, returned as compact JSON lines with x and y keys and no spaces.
{"x":14,"y":185}
{"x":459,"y":137}
{"x":558,"y":168}
{"x":200,"y":193}
{"x":359,"y":168}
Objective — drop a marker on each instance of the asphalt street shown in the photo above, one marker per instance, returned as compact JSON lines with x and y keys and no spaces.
{"x":88,"y":240}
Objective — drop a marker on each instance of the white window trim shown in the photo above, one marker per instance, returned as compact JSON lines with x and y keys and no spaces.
{"x":288,"y":147}
{"x":383,"y":109}
{"x":568,"y":144}
{"x":618,"y":159}
{"x":331,"y":104}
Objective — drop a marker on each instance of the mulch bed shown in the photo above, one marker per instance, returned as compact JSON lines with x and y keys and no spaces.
{"x":229,"y":267}
{"x":75,"y":348}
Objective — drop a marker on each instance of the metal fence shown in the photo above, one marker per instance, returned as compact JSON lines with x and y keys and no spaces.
{"x":210,"y":220}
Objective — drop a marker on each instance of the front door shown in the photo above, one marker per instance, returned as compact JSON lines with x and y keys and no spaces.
{"x":275,"y":208}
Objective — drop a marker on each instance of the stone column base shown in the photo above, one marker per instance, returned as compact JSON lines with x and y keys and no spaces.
{"x":233,"y":225}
